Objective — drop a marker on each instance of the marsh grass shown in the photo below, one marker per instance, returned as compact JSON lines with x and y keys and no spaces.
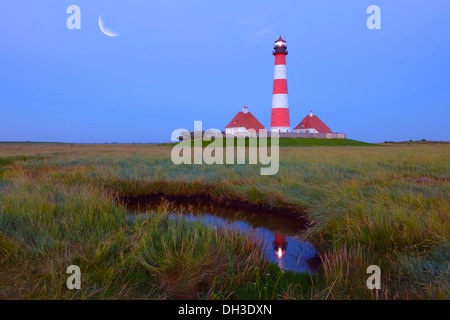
{"x":187,"y":257}
{"x":46,"y":228}
{"x":427,"y":273}
{"x":384,"y":205}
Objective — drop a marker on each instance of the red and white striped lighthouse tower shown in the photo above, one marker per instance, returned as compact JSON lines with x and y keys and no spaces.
{"x":280,"y":108}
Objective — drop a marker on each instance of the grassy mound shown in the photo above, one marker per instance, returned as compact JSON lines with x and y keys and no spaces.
{"x":314,"y":142}
{"x":296,"y":142}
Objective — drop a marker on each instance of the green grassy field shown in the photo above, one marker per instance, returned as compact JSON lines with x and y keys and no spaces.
{"x":386,"y":205}
{"x":300,"y":142}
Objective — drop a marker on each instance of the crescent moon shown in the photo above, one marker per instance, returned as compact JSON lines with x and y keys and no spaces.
{"x":105,"y":30}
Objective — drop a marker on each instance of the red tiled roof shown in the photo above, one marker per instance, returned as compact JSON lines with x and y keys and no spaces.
{"x":313,"y":123}
{"x":246,"y":120}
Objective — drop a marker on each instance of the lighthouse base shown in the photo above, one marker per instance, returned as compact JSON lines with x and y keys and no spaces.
{"x":280,"y":129}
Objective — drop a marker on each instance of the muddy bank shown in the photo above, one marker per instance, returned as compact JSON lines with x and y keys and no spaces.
{"x":294,"y":215}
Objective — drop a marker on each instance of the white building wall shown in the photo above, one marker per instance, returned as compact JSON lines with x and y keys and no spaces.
{"x":235,"y":130}
{"x":280,"y":129}
{"x":306,"y":131}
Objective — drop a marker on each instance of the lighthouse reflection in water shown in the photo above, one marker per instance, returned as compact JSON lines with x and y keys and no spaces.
{"x":281,"y":244}
{"x":278,"y":234}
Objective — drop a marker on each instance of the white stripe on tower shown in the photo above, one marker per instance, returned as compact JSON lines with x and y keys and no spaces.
{"x":280,"y":71}
{"x":280,"y":100}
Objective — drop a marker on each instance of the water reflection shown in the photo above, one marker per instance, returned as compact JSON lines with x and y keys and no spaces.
{"x":280,"y":244}
{"x":279,"y":234}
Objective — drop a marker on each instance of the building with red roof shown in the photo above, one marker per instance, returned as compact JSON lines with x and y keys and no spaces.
{"x":243,"y":122}
{"x":312,"y":124}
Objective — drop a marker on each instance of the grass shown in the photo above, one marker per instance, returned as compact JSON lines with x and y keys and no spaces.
{"x":189,"y":258}
{"x":46,"y":229}
{"x":293,"y":142}
{"x":385,"y":205}
{"x":315,"y":142}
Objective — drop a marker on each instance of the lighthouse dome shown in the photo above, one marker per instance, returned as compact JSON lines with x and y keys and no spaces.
{"x":280,"y":42}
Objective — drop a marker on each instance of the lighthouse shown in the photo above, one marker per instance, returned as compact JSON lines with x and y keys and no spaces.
{"x":280,"y":107}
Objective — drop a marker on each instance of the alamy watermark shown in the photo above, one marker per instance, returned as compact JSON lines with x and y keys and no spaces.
{"x":374,"y":281}
{"x":374,"y":21}
{"x":74,"y":20}
{"x":226,"y":149}
{"x":74,"y":281}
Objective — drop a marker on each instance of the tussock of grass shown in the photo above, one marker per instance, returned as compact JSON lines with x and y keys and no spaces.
{"x":427,"y":273}
{"x":345,"y":272}
{"x":187,"y":257}
{"x":7,"y":247}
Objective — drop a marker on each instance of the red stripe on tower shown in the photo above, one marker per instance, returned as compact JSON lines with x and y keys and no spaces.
{"x":280,"y":58}
{"x":280,"y":108}
{"x":280,"y":86}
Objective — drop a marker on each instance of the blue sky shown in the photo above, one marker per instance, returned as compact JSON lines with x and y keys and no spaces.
{"x":179,"y":61}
